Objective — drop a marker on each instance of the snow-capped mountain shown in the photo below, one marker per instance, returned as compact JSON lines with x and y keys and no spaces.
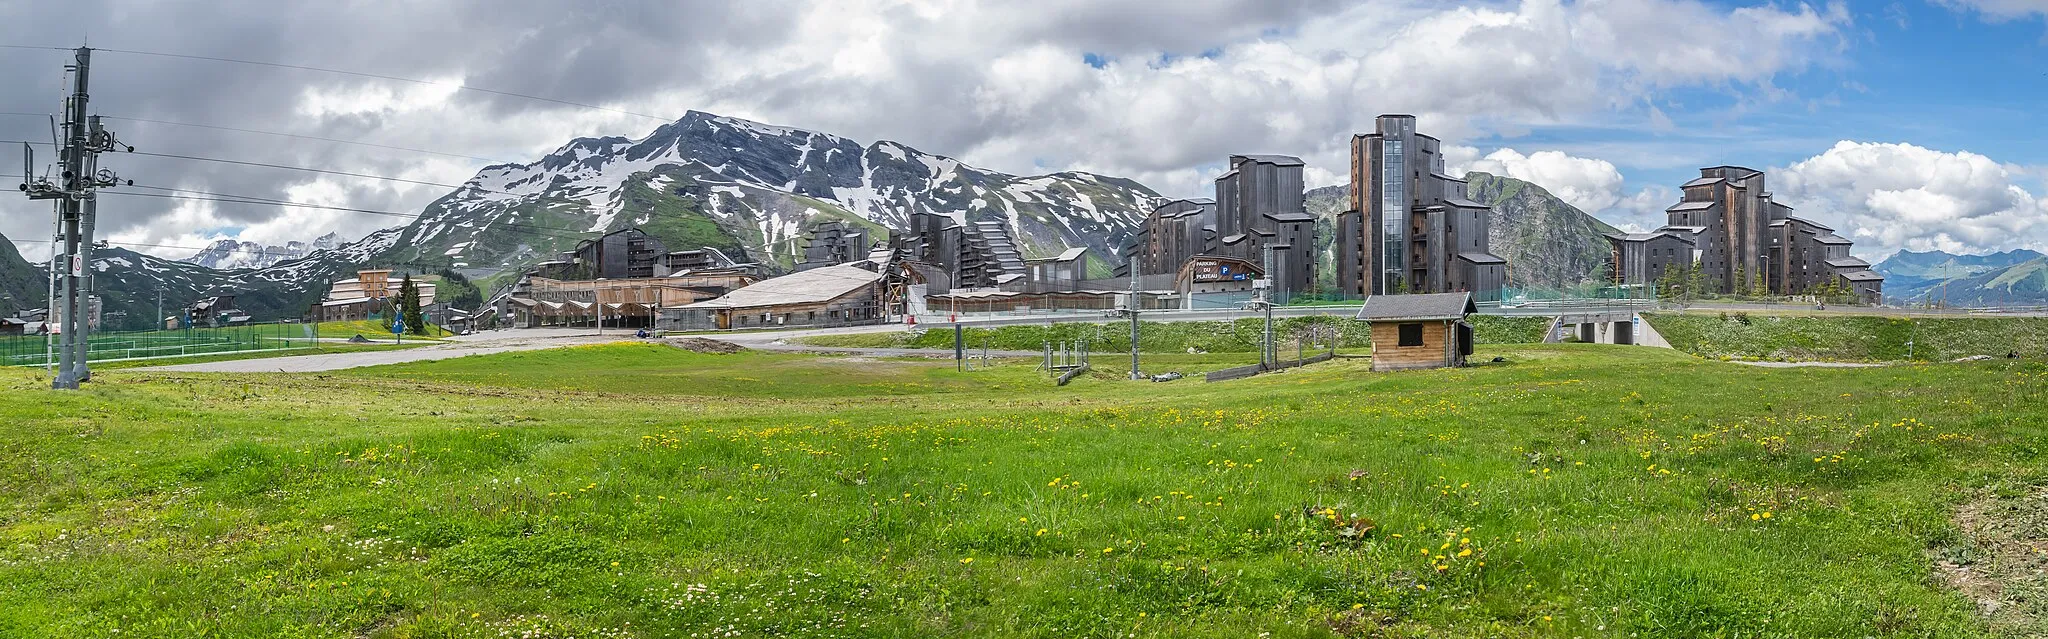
{"x":231,"y":254}
{"x":746,"y":188}
{"x":752,"y":189}
{"x":129,"y":281}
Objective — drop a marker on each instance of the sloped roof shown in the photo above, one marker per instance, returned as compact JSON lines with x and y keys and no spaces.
{"x":1482,"y":258}
{"x":1282,"y":160}
{"x":1701,"y":182}
{"x":1432,"y":306}
{"x":1464,"y":203}
{"x":1291,"y":217}
{"x":1849,"y":262}
{"x":1808,"y":222}
{"x":1831,"y":238}
{"x":807,"y":287}
{"x":1684,"y":234}
{"x":1691,"y":206}
{"x":1863,"y":276}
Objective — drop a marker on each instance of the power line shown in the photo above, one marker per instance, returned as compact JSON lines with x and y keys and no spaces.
{"x":287,"y":167}
{"x":423,"y":265}
{"x":295,"y":135}
{"x":297,"y":168}
{"x":379,"y":76}
{"x":203,"y":196}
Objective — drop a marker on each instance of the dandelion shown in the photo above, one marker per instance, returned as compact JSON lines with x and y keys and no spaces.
{"x":1041,"y":532}
{"x":967,"y":560}
{"x":1108,"y":550}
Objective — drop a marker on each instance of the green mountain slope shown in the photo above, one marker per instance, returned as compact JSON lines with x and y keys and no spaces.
{"x":22,"y":285}
{"x":1546,"y":242}
{"x":1939,"y":276}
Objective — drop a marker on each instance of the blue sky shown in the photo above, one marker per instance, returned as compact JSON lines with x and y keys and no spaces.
{"x":1913,"y":72}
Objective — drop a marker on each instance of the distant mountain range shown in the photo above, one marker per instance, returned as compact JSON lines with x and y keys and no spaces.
{"x":231,"y":254}
{"x":2013,"y":277}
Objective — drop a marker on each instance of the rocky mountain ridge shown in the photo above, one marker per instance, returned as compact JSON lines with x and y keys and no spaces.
{"x":228,"y":254}
{"x":751,"y":189}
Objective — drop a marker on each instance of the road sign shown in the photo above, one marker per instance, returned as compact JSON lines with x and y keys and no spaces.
{"x":397,"y":327}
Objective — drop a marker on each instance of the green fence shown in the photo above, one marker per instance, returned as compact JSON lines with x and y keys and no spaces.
{"x":31,"y":350}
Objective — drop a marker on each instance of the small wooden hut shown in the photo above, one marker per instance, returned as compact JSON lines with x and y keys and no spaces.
{"x":1419,"y":331}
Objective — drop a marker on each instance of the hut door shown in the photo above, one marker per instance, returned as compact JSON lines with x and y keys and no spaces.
{"x":1464,"y":338}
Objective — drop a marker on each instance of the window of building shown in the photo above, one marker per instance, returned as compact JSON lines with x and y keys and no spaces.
{"x":1411,"y":335}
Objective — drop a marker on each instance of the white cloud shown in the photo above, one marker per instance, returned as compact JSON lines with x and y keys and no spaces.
{"x":1586,"y":183}
{"x":1892,"y":196}
{"x":1998,"y":10}
{"x":999,"y":84}
{"x":1642,"y":211}
{"x":1592,"y":185}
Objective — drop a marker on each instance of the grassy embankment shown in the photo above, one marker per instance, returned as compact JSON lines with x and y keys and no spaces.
{"x":148,"y":348}
{"x":371,"y":330}
{"x":1849,"y":338}
{"x":644,"y":491}
{"x":1240,"y":336}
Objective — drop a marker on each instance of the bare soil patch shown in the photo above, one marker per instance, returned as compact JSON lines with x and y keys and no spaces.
{"x":2001,"y":562}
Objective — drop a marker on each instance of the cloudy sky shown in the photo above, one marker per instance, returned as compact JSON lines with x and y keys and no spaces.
{"x":1907,"y":124}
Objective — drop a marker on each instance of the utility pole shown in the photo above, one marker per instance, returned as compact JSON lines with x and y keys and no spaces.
{"x":76,"y":206}
{"x":1132,"y":306}
{"x":1267,"y":355}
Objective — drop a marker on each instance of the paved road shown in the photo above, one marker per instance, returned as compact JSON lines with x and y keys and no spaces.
{"x":478,"y":344}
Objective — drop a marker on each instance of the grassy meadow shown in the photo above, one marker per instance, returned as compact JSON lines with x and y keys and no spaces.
{"x":1852,"y":338}
{"x":639,"y":490}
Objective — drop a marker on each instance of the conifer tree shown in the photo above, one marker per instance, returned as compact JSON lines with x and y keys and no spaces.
{"x":409,"y":307}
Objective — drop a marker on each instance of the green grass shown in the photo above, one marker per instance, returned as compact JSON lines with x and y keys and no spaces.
{"x":1240,"y":336}
{"x":29,"y":349}
{"x":644,"y":491}
{"x":1849,"y":338}
{"x":226,"y":357}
